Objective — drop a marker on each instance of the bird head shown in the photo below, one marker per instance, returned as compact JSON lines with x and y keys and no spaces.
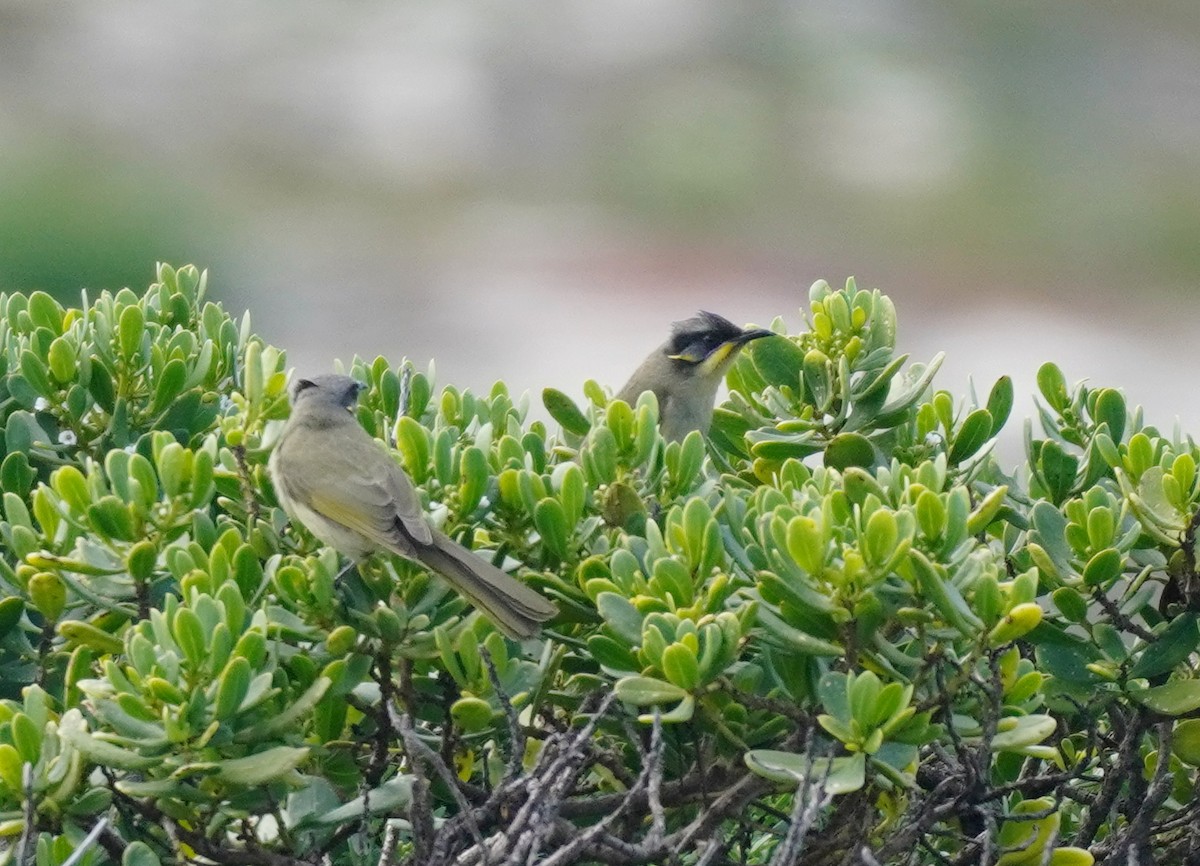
{"x":341,"y":391}
{"x":708,"y":343}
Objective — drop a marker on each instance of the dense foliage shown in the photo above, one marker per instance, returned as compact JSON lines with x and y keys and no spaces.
{"x":835,"y":632}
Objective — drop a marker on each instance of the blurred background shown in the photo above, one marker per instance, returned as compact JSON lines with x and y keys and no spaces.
{"x":535,"y":191}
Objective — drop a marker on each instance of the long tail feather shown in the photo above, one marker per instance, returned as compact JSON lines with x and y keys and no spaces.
{"x":517,"y":609}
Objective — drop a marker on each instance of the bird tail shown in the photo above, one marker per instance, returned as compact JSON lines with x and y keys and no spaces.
{"x":517,"y":609}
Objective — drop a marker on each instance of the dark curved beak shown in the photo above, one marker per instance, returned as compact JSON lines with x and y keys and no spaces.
{"x":753,"y":334}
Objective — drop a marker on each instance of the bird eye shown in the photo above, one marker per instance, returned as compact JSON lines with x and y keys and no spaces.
{"x":304,"y":385}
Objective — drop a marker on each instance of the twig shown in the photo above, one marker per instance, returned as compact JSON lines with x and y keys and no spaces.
{"x":811,"y":800}
{"x":88,"y":841}
{"x":379,"y":752}
{"x":25,"y":853}
{"x":654,"y":774}
{"x":517,"y":749}
{"x":391,"y":837}
{"x":1136,"y":839}
{"x":422,"y":754}
{"x":247,"y":486}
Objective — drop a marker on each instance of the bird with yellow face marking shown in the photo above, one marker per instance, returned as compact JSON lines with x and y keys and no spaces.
{"x":685,"y":371}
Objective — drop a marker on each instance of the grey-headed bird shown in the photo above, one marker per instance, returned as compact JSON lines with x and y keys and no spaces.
{"x":685,"y":371}
{"x":343,"y":485}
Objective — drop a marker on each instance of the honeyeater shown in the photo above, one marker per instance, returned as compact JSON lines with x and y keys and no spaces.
{"x":685,"y":371}
{"x":342,"y":484}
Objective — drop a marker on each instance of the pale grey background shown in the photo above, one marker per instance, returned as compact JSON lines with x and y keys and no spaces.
{"x":534,"y":191}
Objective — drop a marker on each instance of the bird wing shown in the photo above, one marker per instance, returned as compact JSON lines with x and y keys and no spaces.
{"x":356,"y":483}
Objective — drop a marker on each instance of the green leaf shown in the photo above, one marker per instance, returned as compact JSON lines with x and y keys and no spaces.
{"x":882,"y":535}
{"x":564,"y":410}
{"x":849,"y":449}
{"x":644,"y":691}
{"x":680,"y":665}
{"x":1070,"y":856}
{"x":70,"y":484}
{"x":818,"y":379}
{"x":287,"y":719}
{"x":621,"y":616}
{"x":22,"y":430}
{"x":61,"y":360}
{"x":551,"y":523}
{"x":944,"y":596}
{"x":1185,"y":742}
{"x":1070,"y":604}
{"x":10,"y":767}
{"x":572,"y":493}
{"x":931,"y":514}
{"x":619,"y":419}
{"x":611,"y":654}
{"x":139,"y":854}
{"x":189,"y":634}
{"x":806,"y":544}
{"x":48,"y":594}
{"x":100,"y":384}
{"x":1103,"y":568}
{"x":16,"y":475}
{"x":1110,"y":409}
{"x":26,"y":736}
{"x":472,"y":714}
{"x":976,"y":429}
{"x":232,"y":687}
{"x":1017,"y":623}
{"x":987,"y":510}
{"x":473,"y":479}
{"x":101,"y":752}
{"x":1173,"y":699}
{"x":1059,"y":470}
{"x":864,"y":696}
{"x":412,"y":440}
{"x":130,"y":331}
{"x":169,"y":385}
{"x":1053,"y":386}
{"x":599,"y":456}
{"x":1021,"y":731}
{"x":80,"y":633}
{"x":836,"y":775}
{"x":791,"y":638}
{"x":1000,"y":403}
{"x":110,"y":517}
{"x":11,"y":609}
{"x":1174,"y":644}
{"x":392,"y":797}
{"x":778,"y":362}
{"x":45,"y":312}
{"x":34,"y":370}
{"x":263,"y":767}
{"x":1049,"y":531}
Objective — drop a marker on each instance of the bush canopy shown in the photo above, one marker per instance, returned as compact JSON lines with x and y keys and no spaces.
{"x":834,"y":631}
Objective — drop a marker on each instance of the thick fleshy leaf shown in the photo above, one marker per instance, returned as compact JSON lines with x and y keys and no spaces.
{"x":564,"y":410}
{"x":1173,"y":699}
{"x":263,"y":767}
{"x":394,"y":795}
{"x":644,"y":691}
{"x":834,"y":775}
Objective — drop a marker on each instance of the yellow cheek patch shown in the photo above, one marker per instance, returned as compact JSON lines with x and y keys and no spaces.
{"x":690,"y":357}
{"x":718,"y":357}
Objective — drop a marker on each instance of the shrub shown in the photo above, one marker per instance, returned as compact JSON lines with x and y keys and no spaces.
{"x":834,"y":632}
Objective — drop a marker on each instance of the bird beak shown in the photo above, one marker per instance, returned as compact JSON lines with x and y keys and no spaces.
{"x":753,"y":334}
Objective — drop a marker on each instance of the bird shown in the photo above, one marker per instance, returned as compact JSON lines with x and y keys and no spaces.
{"x":331,"y":476}
{"x":685,"y":371}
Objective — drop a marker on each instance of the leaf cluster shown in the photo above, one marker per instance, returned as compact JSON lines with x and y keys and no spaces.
{"x":836,"y":628}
